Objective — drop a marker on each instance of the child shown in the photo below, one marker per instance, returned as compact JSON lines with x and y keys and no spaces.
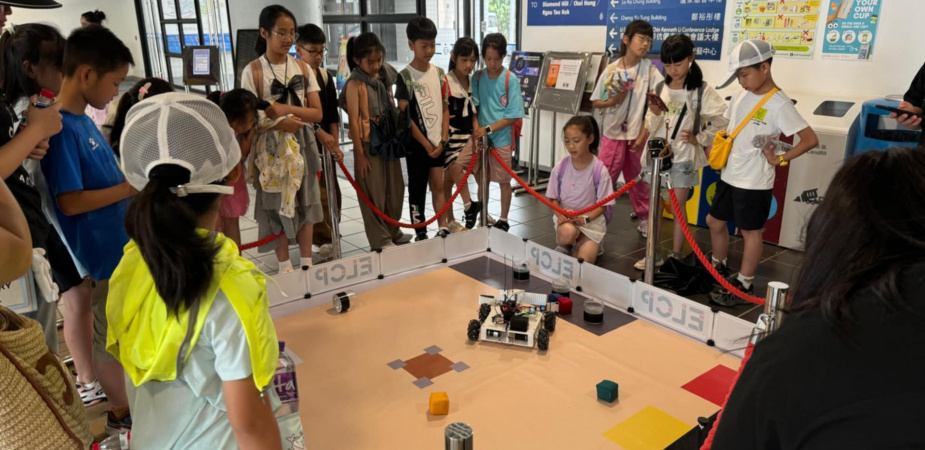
{"x":621,"y":92}
{"x":497,"y":94}
{"x":367,"y":98}
{"x":743,"y":193}
{"x":695,"y":113}
{"x":422,"y":87}
{"x":240,"y":108}
{"x":577,"y":182}
{"x":310,"y":47}
{"x":289,"y":203}
{"x":89,"y":191}
{"x":182,"y":289}
{"x":115,"y":123}
{"x":463,"y":59}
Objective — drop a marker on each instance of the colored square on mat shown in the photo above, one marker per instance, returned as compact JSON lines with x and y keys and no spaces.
{"x":397,"y":364}
{"x":460,"y":366}
{"x":433,"y":350}
{"x":649,"y":429}
{"x":427,"y":365}
{"x":422,"y":383}
{"x":713,"y":385}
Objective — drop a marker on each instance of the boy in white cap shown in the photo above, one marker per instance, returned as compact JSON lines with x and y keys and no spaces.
{"x":743,"y":193}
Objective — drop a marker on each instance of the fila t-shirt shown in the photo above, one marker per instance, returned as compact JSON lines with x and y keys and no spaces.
{"x":425,"y":92}
{"x":747,"y":167}
{"x":80,"y":159}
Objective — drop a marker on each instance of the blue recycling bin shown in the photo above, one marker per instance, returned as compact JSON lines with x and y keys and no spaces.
{"x":876,"y":131}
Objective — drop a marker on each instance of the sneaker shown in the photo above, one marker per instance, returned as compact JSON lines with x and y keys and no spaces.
{"x":404,"y":239}
{"x":115,"y":426}
{"x":444,"y":232}
{"x":643,"y":228}
{"x":641,"y":264}
{"x":326,"y":252}
{"x":456,"y":227}
{"x":502,"y":225}
{"x":420,"y":237}
{"x":723,"y":271}
{"x":723,"y":297}
{"x":472,"y":214}
{"x":633,"y":216}
{"x":91,"y":393}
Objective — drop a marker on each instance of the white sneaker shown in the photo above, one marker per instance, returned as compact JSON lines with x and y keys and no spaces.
{"x":91,"y":393}
{"x":643,"y":228}
{"x":326,"y":252}
{"x":641,"y":264}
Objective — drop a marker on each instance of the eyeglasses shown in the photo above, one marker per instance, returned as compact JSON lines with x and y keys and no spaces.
{"x":315,"y":53}
{"x":291,"y":36}
{"x":644,"y":39}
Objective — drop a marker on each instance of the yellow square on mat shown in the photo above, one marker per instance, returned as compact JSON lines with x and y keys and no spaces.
{"x":649,"y":429}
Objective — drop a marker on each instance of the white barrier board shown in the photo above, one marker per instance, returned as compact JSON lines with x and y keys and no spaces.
{"x":552,"y":263}
{"x":675,"y":312}
{"x":731,"y":333}
{"x":610,"y":287}
{"x":506,"y":245}
{"x":343,"y":273}
{"x":288,"y":287}
{"x":407,"y":257}
{"x":19,"y":295}
{"x":459,"y":245}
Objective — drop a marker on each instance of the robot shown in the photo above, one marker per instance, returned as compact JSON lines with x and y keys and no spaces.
{"x":513,"y":317}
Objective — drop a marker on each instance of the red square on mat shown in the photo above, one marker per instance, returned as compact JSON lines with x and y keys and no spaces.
{"x":713,"y":385}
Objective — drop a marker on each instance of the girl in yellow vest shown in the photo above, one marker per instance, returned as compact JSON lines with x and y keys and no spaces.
{"x":188,"y":317}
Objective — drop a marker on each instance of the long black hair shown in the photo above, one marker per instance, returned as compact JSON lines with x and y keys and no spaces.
{"x":359,"y":47}
{"x":676,"y":49}
{"x":237,"y":104}
{"x":588,"y":127}
{"x":95,"y":17}
{"x":632,"y":29}
{"x":869,"y":227}
{"x":35,"y":43}
{"x":268,"y":17}
{"x":464,"y":46}
{"x":163,"y":225}
{"x":152,"y":86}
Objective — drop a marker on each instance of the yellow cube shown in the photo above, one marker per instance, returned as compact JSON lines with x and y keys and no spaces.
{"x":439,"y":404}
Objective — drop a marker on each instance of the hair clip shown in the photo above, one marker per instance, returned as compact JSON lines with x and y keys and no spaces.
{"x":142,"y":91}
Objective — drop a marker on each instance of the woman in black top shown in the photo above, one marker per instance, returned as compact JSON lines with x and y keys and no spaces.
{"x":913,"y":101}
{"x":846,"y":370}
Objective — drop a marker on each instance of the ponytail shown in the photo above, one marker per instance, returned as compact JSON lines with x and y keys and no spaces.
{"x":677,"y":48}
{"x":144,"y":88}
{"x":351,"y":64}
{"x":163,"y":225}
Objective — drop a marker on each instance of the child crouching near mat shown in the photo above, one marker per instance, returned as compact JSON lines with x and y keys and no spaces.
{"x":188,"y":317}
{"x":367,"y":98}
{"x":577,"y":182}
{"x":240,"y":108}
{"x":695,"y":113}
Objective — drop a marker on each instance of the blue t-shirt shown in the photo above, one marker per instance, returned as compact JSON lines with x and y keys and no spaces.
{"x":496,"y":103}
{"x":80,"y":159}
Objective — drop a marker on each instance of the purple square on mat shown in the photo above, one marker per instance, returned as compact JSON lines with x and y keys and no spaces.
{"x":433,"y":350}
{"x":397,"y":364}
{"x":460,"y":366}
{"x":422,"y":382}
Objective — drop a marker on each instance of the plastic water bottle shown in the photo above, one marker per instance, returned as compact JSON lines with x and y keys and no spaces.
{"x":46,"y":98}
{"x":118,"y":442}
{"x":284,"y":382}
{"x":763,"y":141}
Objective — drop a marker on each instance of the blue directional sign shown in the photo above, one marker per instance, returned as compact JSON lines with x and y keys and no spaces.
{"x":702,"y":20}
{"x":566,"y":12}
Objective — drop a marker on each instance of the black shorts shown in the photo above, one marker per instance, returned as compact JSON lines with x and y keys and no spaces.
{"x":63,"y":270}
{"x":749,"y":208}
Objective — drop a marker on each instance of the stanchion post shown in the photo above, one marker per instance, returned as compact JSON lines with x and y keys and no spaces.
{"x":483,"y":191}
{"x":458,"y":436}
{"x":655,"y":212}
{"x":330,"y":180}
{"x":775,"y":303}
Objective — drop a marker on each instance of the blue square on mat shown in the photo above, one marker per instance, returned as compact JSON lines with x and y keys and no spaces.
{"x":422,"y":382}
{"x":433,"y":350}
{"x":397,"y":364}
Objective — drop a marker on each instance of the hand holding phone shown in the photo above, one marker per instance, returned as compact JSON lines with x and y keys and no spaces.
{"x":912,"y":120}
{"x":656,"y":103}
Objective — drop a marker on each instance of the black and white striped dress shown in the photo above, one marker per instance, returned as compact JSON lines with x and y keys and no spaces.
{"x":461,"y":111}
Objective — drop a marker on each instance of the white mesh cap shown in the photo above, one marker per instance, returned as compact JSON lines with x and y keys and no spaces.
{"x":180,"y":129}
{"x":747,"y":53}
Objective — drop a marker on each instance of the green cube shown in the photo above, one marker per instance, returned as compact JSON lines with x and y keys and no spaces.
{"x":607,"y":391}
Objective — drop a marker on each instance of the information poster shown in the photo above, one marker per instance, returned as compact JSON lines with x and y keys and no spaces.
{"x":202,"y":58}
{"x":526,"y":65}
{"x":566,"y":12}
{"x":563,"y":74}
{"x":702,"y":20}
{"x":787,"y":25}
{"x":851,"y":29}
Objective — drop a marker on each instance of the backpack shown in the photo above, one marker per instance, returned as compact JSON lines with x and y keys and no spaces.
{"x":596,"y":174}
{"x":518,"y":125}
{"x":257,"y":73}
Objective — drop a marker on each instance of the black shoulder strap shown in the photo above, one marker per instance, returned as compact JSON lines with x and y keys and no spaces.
{"x":697,"y":122}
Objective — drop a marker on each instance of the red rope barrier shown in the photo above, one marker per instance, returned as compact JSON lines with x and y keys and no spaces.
{"x":708,"y":442}
{"x":392,"y":221}
{"x":263,"y":241}
{"x":703,"y":258}
{"x":555,"y":208}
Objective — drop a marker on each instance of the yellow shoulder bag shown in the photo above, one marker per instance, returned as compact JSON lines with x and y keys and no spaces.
{"x":722,"y":143}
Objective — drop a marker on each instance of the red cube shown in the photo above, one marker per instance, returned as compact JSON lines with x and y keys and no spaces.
{"x":565,"y":305}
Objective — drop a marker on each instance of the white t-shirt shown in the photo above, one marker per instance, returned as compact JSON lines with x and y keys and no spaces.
{"x":645,"y":76}
{"x":712,"y":116}
{"x":429,"y":98}
{"x":747,"y":167}
{"x":282,"y":72}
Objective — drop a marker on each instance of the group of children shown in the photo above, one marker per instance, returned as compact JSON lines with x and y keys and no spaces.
{"x":168,"y":169}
